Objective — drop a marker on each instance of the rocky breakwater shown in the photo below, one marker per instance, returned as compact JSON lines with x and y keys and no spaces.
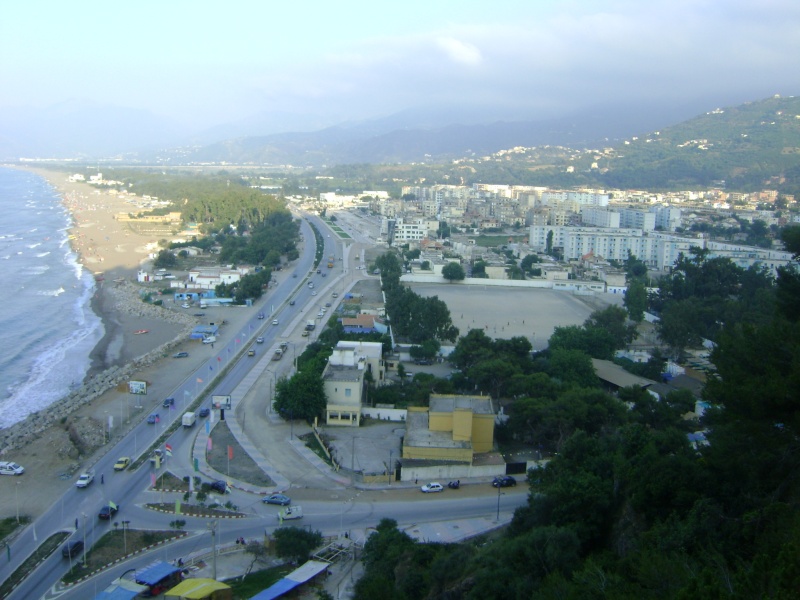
{"x":127,"y":298}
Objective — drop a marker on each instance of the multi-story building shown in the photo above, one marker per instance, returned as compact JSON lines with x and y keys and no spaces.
{"x":344,"y":380}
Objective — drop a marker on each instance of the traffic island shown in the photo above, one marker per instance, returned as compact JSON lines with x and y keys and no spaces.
{"x":196,"y":510}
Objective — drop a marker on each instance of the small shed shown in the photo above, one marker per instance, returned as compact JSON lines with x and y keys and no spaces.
{"x":303,"y":574}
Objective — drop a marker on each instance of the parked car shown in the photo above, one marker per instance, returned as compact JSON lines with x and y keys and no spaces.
{"x":10,"y":468}
{"x":328,"y":304}
{"x":72,"y":549}
{"x":108,"y":511}
{"x":210,"y":339}
{"x":180,"y":355}
{"x":423,"y":361}
{"x":153,"y":418}
{"x":280,"y":499}
{"x":204,"y":412}
{"x":168,"y":402}
{"x":432,"y":487}
{"x":185,"y":305}
{"x":122,"y":463}
{"x":220,"y":487}
{"x":259,"y":340}
{"x":504,"y":481}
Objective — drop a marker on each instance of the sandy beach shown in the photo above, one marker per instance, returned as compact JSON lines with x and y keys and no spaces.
{"x":113,"y":253}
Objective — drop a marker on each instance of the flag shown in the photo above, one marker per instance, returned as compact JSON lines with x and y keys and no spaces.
{"x":208,"y":445}
{"x":230,"y":452}
{"x":158,"y":418}
{"x":219,"y":359}
{"x":199,"y":380}
{"x":153,"y":479}
{"x":168,"y":448}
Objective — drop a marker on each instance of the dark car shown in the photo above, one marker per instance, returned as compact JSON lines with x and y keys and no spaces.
{"x":108,"y":511}
{"x":260,"y":315}
{"x":279,"y":499}
{"x":71,"y":549}
{"x":219,"y":486}
{"x":291,"y":302}
{"x":168,"y":402}
{"x":504,"y":481}
{"x":423,"y":361}
{"x":204,"y":412}
{"x":180,"y":355}
{"x":152,"y":419}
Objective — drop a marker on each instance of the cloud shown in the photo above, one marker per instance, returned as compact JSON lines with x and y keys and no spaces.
{"x":460,"y":52}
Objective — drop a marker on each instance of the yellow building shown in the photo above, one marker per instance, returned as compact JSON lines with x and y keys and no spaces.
{"x":453,"y":428}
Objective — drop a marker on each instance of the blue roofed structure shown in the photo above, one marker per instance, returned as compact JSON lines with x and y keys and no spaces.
{"x":296,"y":578}
{"x":158,"y":576}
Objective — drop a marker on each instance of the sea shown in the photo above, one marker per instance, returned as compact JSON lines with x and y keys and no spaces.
{"x":47,"y":324}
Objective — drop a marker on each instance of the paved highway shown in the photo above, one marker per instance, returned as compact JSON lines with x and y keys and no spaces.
{"x":129,"y":488}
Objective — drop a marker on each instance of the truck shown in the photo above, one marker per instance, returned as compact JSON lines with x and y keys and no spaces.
{"x":85,"y":478}
{"x":278,"y":354}
{"x":311,"y":324}
{"x":188,"y":419}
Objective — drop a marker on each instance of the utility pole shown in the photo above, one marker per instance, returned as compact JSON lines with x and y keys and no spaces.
{"x":212,"y":526}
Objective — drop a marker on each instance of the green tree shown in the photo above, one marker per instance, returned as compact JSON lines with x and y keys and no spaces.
{"x":635,"y":300}
{"x":165,"y":259}
{"x":301,"y":397}
{"x":296,"y":544}
{"x":453,"y":271}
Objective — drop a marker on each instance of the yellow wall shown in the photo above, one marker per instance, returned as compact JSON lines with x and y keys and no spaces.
{"x":440,"y":421}
{"x":482,"y":433}
{"x":462,"y":424}
{"x":454,"y":454}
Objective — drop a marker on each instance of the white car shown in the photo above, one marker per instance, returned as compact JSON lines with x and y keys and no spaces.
{"x":209,"y":340}
{"x":10,"y":468}
{"x":185,"y":305}
{"x":274,"y":321}
{"x":432,"y":487}
{"x":313,"y":293}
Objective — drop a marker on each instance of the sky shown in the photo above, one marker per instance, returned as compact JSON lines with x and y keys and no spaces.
{"x":207,"y":63}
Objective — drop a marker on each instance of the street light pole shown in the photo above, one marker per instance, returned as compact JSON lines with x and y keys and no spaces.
{"x":499,"y":493}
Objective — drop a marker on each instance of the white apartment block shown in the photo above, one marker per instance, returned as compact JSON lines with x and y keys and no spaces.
{"x":657,"y":250}
{"x":600,"y":217}
{"x":668,"y":218}
{"x":637,"y":219}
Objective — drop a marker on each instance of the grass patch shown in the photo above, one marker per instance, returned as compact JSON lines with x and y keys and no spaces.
{"x":257,"y":581}
{"x":311,"y":442}
{"x":194,"y":510}
{"x":50,"y":545}
{"x":168,"y":481}
{"x":9,"y":525}
{"x":112,"y":546}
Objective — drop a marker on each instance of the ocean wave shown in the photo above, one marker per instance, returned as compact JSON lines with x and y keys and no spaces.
{"x":32,"y":246}
{"x":42,"y":254}
{"x":57,"y":292}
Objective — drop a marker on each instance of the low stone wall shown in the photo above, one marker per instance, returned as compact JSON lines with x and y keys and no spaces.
{"x":126,"y":298}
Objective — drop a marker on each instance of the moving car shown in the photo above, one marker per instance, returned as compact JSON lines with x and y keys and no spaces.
{"x":280,"y":499}
{"x":180,"y":355}
{"x":328,"y":304}
{"x":108,"y":511}
{"x":85,"y":478}
{"x":304,"y":333}
{"x":10,"y":468}
{"x":313,"y":293}
{"x":259,"y":340}
{"x":204,"y":412}
{"x":153,"y":418}
{"x":168,"y":402}
{"x":274,"y":321}
{"x":432,"y":487}
{"x":220,"y":487}
{"x":260,"y":315}
{"x":504,"y":481}
{"x":291,"y":302}
{"x":71,"y":549}
{"x":290,"y":512}
{"x":251,"y":352}
{"x":122,"y":463}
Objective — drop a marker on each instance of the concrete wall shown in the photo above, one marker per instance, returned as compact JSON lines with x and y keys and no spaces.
{"x":482,"y":433}
{"x":461,"y":455}
{"x":445,"y":473}
{"x":384,"y":414}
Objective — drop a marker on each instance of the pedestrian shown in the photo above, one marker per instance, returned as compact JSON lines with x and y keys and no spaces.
{"x":102,"y":479}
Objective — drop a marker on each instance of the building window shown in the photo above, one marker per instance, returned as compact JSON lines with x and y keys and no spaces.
{"x":347,"y":392}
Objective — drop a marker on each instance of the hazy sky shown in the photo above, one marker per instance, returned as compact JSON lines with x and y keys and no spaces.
{"x":208,"y":62}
